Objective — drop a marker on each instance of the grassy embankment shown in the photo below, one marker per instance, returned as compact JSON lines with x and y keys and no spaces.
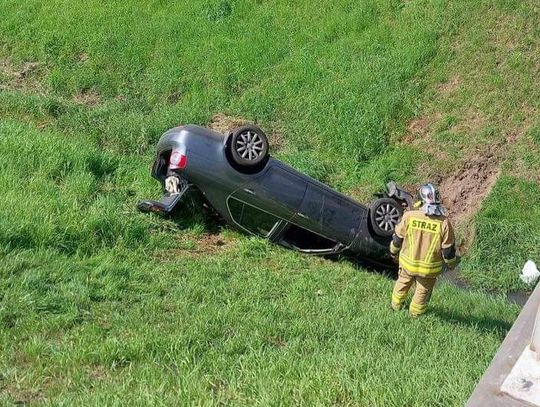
{"x":479,"y":125}
{"x":101,"y":304}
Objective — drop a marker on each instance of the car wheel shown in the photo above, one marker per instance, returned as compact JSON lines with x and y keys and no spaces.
{"x":248,"y":146}
{"x":385,"y":214}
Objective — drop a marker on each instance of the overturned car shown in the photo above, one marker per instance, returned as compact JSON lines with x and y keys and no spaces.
{"x":263,"y":196}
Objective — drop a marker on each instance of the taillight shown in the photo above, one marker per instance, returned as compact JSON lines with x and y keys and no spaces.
{"x":178,"y":160}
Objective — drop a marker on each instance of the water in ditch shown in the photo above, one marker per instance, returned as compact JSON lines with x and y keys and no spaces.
{"x":518,"y":297}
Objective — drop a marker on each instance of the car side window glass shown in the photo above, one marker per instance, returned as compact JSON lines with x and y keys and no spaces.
{"x":254,"y":220}
{"x":283,"y":186}
{"x":303,"y":239}
{"x":332,"y":212}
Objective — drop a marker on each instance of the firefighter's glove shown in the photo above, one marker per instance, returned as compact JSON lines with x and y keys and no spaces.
{"x":171,"y":185}
{"x":452,"y":263}
{"x":450,"y":257}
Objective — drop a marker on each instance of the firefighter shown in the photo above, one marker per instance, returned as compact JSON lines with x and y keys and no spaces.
{"x":424,"y":240}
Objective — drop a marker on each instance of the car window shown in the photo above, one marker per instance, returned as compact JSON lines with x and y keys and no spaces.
{"x":303,"y":239}
{"x":332,"y":212}
{"x":253,"y":219}
{"x":283,"y":186}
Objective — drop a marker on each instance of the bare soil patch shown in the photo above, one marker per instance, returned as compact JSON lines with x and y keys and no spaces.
{"x":82,"y":57}
{"x":464,"y":190}
{"x":87,"y":97}
{"x":276,"y":341}
{"x":450,"y":86}
{"x":98,"y":373}
{"x":26,"y":69}
{"x":206,"y":245}
{"x":212,"y":243}
{"x":420,"y":128}
{"x":24,"y":78}
{"x":223,"y":123}
{"x":417,"y":128}
{"x":23,"y":396}
{"x":174,"y":97}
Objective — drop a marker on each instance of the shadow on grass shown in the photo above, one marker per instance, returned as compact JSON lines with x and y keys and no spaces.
{"x":483,"y":324}
{"x":450,"y":276}
{"x":194,"y":210}
{"x":480,"y":323}
{"x":389,"y":271}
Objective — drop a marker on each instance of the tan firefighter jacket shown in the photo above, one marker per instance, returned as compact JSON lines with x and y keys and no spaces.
{"x":424,"y":243}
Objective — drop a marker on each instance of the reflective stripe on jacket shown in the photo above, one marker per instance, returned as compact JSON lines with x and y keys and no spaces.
{"x":424,"y":237}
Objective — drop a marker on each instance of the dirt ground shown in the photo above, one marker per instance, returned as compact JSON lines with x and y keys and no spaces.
{"x":464,"y":190}
{"x":223,"y":123}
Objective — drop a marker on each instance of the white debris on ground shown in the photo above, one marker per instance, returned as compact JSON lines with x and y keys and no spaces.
{"x":530,"y":273}
{"x":523,"y":382}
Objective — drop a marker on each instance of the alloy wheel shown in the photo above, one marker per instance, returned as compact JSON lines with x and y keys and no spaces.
{"x":249,"y":145}
{"x":387,"y":217}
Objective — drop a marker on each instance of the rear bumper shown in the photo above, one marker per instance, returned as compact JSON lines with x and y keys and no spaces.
{"x":398,"y":193}
{"x":165,"y":206}
{"x":167,"y":203}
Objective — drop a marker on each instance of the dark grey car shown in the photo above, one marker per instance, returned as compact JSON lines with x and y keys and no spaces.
{"x":263,"y":196}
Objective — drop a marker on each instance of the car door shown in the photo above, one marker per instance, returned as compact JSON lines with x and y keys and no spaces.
{"x":277,"y":191}
{"x":328,"y":213}
{"x":304,"y":240}
{"x":252,"y":219}
{"x":261,"y":223}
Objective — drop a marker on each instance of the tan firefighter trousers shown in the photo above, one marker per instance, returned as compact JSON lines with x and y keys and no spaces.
{"x":422,"y":293}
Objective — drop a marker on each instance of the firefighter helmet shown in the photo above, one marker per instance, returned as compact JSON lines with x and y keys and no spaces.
{"x":429,"y":194}
{"x":431,"y":200}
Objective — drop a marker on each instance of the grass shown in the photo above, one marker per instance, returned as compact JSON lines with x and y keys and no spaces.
{"x":507,"y":232}
{"x":253,"y":324}
{"x":483,"y":101}
{"x":101,"y":305}
{"x":348,"y":72}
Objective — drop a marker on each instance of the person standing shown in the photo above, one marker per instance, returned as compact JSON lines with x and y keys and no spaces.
{"x":424,"y":240}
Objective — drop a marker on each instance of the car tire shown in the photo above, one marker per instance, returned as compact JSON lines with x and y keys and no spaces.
{"x":385,"y":213}
{"x":248,"y":147}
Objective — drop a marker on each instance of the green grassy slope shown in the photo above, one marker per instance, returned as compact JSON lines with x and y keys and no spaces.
{"x":507,"y":233}
{"x":312,"y":72}
{"x":102,"y":305}
{"x":482,"y":107}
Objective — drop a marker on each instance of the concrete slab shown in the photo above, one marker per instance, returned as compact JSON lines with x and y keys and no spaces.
{"x":488,"y":391}
{"x":523,"y":382}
